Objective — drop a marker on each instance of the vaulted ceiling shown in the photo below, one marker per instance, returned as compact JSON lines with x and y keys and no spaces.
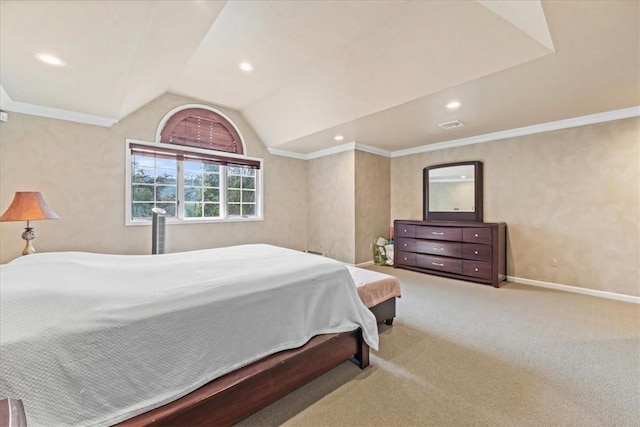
{"x":376,"y":72}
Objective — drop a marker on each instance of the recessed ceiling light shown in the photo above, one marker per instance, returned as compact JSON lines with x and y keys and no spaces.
{"x":338,"y":137}
{"x":453,"y":105}
{"x":245,"y":66}
{"x":50,"y":59}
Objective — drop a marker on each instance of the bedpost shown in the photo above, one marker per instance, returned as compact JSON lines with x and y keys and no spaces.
{"x":362,"y":356}
{"x":12,"y":413}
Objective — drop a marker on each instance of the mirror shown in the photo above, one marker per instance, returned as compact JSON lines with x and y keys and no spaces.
{"x":453,"y":192}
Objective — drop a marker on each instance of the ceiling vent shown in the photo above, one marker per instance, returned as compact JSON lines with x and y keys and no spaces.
{"x":452,"y":124}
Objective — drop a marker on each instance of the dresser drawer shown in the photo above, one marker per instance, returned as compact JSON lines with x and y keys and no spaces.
{"x":476,"y":252}
{"x":450,"y":265}
{"x":477,"y":235}
{"x":439,"y":233}
{"x":404,"y":230}
{"x":407,"y":245}
{"x":437,"y":247}
{"x":405,"y":258}
{"x":478,"y":269}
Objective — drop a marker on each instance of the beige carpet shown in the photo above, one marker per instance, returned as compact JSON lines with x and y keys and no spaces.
{"x":462,"y":354}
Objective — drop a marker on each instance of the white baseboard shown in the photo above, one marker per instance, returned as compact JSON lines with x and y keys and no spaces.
{"x":314,"y":252}
{"x":575,"y":289}
{"x":364,"y":264}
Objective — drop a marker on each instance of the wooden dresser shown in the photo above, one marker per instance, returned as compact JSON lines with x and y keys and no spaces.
{"x":474,"y":251}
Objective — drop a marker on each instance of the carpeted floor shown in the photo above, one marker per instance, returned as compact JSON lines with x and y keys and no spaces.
{"x":463,"y":354}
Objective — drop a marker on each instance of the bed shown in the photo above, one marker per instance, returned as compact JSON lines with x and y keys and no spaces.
{"x":346,"y":329}
{"x":378,"y":291}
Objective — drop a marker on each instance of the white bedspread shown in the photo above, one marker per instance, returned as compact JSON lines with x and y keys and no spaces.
{"x":90,"y":339}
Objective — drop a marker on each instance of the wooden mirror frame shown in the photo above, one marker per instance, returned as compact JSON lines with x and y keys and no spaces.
{"x":475,"y":216}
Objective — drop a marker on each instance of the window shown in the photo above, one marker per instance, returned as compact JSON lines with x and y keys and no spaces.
{"x":241,"y":191}
{"x":201,"y":190}
{"x":189,"y":177}
{"x":154,"y":183}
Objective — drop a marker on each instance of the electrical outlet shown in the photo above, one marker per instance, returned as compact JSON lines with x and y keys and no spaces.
{"x":554,"y":262}
{"x":370,"y":246}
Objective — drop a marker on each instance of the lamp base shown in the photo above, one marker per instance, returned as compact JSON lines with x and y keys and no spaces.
{"x":29,"y":234}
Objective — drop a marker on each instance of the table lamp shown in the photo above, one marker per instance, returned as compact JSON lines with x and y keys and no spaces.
{"x":28,"y":206}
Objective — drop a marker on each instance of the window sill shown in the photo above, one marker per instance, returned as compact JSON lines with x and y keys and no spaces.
{"x":170,"y":221}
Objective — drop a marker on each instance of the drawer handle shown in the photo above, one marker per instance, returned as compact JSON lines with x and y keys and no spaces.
{"x":404,"y":231}
{"x":475,"y":252}
{"x":476,"y":269}
{"x":405,"y":245}
{"x":405,"y":258}
{"x":476,"y":235}
{"x":439,"y":265}
{"x":437,"y":233}
{"x":438,"y":249}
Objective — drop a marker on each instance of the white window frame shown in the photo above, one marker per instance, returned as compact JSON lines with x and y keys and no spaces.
{"x":130,"y":221}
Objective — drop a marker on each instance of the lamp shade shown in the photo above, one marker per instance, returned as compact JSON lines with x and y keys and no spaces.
{"x":28,"y":206}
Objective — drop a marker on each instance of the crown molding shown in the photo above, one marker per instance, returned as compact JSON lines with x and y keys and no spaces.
{"x":4,"y":98}
{"x":7,"y":104}
{"x":316,"y":154}
{"x":350,"y":146}
{"x":372,"y":150}
{"x":285,"y":153}
{"x":607,"y":116}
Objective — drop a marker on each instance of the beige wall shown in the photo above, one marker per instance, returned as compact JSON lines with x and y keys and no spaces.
{"x":348,"y":206}
{"x":331,"y":206}
{"x":571,"y":194}
{"x":372,"y":209}
{"x":81,"y":172}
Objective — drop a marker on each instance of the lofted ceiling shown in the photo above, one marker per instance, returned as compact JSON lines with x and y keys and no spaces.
{"x":378,"y":73}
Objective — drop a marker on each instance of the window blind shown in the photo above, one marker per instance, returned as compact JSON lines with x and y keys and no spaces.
{"x":173,"y":152}
{"x":198,"y":127}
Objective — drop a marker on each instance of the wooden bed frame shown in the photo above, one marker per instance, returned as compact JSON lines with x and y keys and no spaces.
{"x":238,"y":394}
{"x":12,"y":413}
{"x":235,"y":396}
{"x":385,"y":311}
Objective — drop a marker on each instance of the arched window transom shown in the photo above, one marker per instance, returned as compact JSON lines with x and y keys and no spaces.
{"x":202,"y":128}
